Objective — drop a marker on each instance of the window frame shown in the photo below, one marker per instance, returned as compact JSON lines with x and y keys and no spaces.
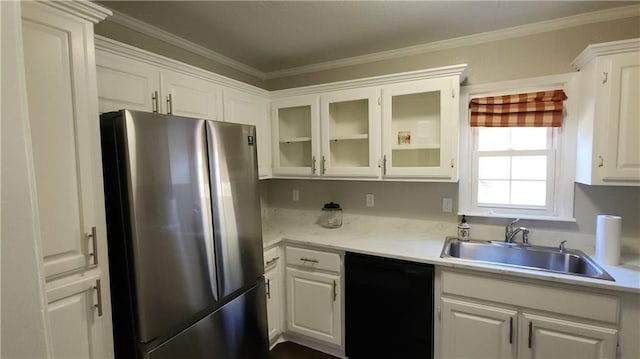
{"x":560,"y":206}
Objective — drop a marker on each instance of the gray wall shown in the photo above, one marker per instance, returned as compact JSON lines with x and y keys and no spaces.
{"x":125,"y":35}
{"x":542,"y":54}
{"x":424,"y":201}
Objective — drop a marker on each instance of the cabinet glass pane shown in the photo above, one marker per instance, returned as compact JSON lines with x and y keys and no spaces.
{"x":295,"y":154}
{"x":294,"y":126}
{"x":415,"y":124}
{"x":350,"y":153}
{"x":349,"y":133}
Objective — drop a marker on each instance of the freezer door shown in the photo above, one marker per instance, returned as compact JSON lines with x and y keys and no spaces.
{"x":238,"y":330}
{"x":170,"y":215}
{"x":235,"y":201}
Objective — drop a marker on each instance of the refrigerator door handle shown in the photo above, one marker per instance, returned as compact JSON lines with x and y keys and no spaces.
{"x":208,"y":218}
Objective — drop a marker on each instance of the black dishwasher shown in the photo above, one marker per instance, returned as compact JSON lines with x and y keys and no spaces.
{"x":388,"y":308}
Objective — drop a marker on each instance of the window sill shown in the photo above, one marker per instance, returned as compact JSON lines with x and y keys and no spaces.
{"x":518,"y":215}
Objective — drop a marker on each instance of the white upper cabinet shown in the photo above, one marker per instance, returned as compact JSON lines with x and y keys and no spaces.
{"x":296,"y":136}
{"x":608,"y":110}
{"x":420,"y":129}
{"x":395,"y":127}
{"x":125,"y":83}
{"x":350,"y":133}
{"x":249,"y":109}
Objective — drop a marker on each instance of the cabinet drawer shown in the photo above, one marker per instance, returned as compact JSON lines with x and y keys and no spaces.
{"x":271,"y":256}
{"x":313,"y":259}
{"x":535,"y":296}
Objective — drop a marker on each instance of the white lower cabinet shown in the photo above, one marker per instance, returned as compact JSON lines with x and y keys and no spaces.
{"x":494,"y":317}
{"x":76,"y":311}
{"x":313,"y":306}
{"x":472,"y":330}
{"x":545,"y":337}
{"x":275,"y":294}
{"x":314,"y":298}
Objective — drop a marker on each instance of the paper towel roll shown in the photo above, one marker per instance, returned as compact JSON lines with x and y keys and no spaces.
{"x":608,"y":238}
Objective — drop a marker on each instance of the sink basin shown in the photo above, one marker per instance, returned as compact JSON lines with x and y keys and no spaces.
{"x":548,"y":259}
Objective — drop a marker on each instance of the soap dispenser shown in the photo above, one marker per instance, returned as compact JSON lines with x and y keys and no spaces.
{"x":464,"y":229}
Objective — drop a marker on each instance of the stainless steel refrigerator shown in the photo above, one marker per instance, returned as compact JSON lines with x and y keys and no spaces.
{"x":184,"y":237}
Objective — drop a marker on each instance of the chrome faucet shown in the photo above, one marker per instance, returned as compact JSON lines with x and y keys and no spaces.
{"x":510,"y":232}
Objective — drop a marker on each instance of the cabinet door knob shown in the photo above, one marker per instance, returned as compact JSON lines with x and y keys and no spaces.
{"x":511,"y":330}
{"x":94,"y":241}
{"x":601,"y":163}
{"x":335,"y":294}
{"x":323,"y":165}
{"x":384,"y":164}
{"x":530,"y":333}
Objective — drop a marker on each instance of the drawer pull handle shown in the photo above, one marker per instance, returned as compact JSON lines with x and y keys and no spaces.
{"x":98,"y":289}
{"x":94,"y":240}
{"x":309,"y":260}
{"x":335,"y":294}
{"x":272,"y":260}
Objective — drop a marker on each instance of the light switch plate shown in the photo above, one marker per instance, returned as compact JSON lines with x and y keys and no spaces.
{"x":447,"y":205}
{"x":369,"y":198}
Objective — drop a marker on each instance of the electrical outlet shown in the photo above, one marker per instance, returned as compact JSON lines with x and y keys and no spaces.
{"x":447,"y":205}
{"x":369,"y":199}
{"x":296,"y":195}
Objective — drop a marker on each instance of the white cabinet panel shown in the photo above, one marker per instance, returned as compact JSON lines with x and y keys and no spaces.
{"x":295,"y":125}
{"x":420,"y":129}
{"x":76,"y":322}
{"x":274,"y":302}
{"x":313,"y":305}
{"x":123,"y":83}
{"x":189,"y":96}
{"x":63,"y":137}
{"x":471,"y":330}
{"x":554,"y":338}
{"x":607,"y":89}
{"x":252,"y":110}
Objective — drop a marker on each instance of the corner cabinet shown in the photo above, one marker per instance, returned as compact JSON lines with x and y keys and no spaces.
{"x":420,"y":129}
{"x":394,"y":127}
{"x":608,"y":110}
{"x":493,"y":317}
{"x":65,"y":140}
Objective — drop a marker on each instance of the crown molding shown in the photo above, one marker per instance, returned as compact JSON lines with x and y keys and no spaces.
{"x":503,"y":34}
{"x":438,"y":72}
{"x":84,"y":9}
{"x":607,"y":48}
{"x":157,"y":33}
{"x":106,"y":45}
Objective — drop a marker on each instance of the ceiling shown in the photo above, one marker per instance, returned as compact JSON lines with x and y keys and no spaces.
{"x":276,"y":35}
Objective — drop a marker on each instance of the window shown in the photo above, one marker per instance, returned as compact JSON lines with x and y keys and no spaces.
{"x":511,"y":170}
{"x":513,"y":167}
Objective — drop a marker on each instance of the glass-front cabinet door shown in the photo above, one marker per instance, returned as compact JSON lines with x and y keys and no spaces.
{"x":419,"y":129}
{"x":350,"y":123}
{"x":296,"y":130}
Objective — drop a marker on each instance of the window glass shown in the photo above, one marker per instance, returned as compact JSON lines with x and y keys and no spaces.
{"x":529,"y":167}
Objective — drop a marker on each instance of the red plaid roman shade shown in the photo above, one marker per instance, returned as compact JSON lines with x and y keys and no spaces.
{"x":535,"y":109}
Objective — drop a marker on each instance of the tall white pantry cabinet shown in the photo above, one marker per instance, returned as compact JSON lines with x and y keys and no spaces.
{"x":63,"y":115}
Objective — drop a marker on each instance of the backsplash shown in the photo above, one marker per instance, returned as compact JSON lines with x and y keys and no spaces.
{"x":423,"y":201}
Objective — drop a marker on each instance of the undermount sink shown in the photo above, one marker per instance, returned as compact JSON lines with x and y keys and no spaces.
{"x":550,"y":259}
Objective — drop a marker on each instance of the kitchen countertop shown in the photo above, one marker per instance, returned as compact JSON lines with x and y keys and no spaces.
{"x":419,"y":241}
